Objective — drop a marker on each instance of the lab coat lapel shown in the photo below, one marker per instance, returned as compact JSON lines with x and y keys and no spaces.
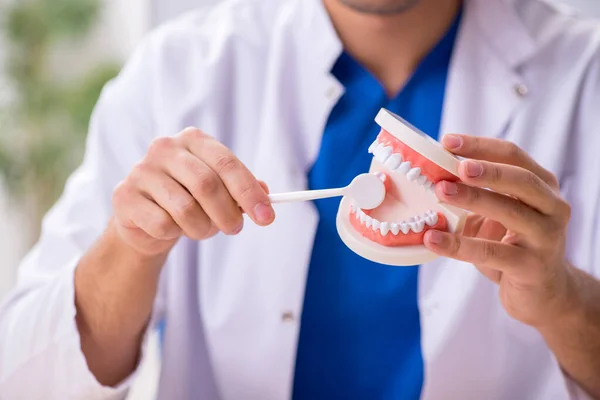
{"x":268,"y":265}
{"x":484,"y":88}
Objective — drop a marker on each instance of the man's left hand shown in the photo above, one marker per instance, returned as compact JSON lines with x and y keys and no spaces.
{"x":516,"y":233}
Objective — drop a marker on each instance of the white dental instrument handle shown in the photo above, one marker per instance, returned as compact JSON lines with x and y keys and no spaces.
{"x":306,"y":195}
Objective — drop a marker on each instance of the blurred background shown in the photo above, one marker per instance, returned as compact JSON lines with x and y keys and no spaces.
{"x":55,"y":56}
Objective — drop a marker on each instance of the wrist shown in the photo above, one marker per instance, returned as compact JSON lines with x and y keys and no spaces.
{"x":567,"y":308}
{"x":136,"y":255}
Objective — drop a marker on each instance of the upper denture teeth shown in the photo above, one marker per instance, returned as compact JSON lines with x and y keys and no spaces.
{"x":384,"y":154}
{"x":373,"y":146}
{"x":404,"y":167}
{"x":384,"y":228}
{"x":393,"y":161}
{"x":422,"y":179}
{"x":413,"y":174}
{"x":428,"y":185}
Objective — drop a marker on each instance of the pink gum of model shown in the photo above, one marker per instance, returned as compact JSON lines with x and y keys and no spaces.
{"x":410,"y":163}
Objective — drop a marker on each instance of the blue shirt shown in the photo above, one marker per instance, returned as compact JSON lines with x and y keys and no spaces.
{"x":360,"y":328}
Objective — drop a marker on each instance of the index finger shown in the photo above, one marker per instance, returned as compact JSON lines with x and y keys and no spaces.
{"x":496,"y":150}
{"x":242,"y":185}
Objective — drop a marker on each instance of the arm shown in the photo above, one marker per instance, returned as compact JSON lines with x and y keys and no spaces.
{"x":38,"y":326}
{"x":115,"y":289}
{"x":575,"y":338}
{"x":187,"y":185}
{"x":85,"y":296}
{"x":538,"y":285}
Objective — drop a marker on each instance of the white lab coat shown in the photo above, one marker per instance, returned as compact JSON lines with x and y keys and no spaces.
{"x":256,"y":75}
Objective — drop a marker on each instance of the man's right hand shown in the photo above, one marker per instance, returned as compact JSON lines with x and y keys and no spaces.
{"x":187,"y":185}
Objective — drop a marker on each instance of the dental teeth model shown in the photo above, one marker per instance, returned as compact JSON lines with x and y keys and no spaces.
{"x":410,"y":163}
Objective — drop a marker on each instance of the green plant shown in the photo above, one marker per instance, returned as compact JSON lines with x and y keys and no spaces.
{"x":44,"y":124}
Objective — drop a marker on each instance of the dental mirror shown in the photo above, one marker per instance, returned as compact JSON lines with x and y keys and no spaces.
{"x":366,"y":190}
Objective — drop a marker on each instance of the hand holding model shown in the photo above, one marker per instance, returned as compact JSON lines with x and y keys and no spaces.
{"x":516,"y":236}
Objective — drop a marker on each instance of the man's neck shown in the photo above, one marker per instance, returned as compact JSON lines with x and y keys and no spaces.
{"x":392,"y":46}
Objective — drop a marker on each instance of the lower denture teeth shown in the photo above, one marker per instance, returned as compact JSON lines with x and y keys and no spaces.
{"x":418,"y":226}
{"x":384,"y":228}
{"x":434,"y":218}
{"x":404,"y":227}
{"x":369,"y":221}
{"x":376,"y":224}
{"x":363,"y":217}
{"x":395,"y":228}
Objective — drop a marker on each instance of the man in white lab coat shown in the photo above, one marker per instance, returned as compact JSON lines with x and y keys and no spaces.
{"x":166,"y":224}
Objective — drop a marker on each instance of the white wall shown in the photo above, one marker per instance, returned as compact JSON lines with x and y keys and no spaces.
{"x":163,"y":10}
{"x":122,"y":26}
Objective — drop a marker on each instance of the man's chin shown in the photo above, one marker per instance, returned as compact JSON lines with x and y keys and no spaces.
{"x":381,"y":7}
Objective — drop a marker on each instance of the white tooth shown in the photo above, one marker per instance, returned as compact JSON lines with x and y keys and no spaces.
{"x":357,"y":214}
{"x":352,"y":208}
{"x":422,"y":179}
{"x":404,"y":167}
{"x":369,"y":221}
{"x":404,"y":227}
{"x":384,"y":154}
{"x":428,"y":185}
{"x":384,"y":228}
{"x":376,"y":224}
{"x":378,"y":149}
{"x":394,"y":161}
{"x":413,"y":174}
{"x":373,"y":146}
{"x":395,"y":228}
{"x":417,"y":226}
{"x":363,"y":217}
{"x":432,"y":219}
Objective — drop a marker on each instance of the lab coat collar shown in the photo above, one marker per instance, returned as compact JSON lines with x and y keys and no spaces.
{"x":502,"y":27}
{"x":493,"y":46}
{"x":497,"y":20}
{"x":485,"y":85}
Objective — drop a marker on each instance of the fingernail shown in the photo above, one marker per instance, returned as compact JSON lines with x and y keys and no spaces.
{"x":474,"y":169}
{"x":452,"y":141}
{"x":436,"y":237}
{"x":450,"y":188}
{"x":263,"y":213}
{"x":239,"y":228}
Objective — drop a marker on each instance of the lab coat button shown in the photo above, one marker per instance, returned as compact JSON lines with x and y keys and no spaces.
{"x":288,"y":316}
{"x":521,"y":90}
{"x":331,"y":92}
